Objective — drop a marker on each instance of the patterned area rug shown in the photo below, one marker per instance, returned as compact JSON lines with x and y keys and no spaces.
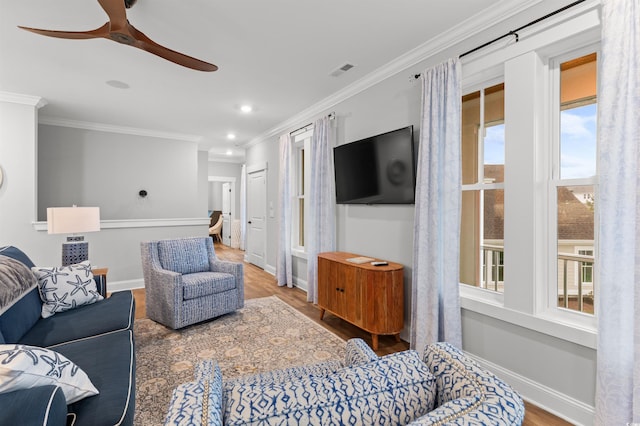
{"x":266,"y":334}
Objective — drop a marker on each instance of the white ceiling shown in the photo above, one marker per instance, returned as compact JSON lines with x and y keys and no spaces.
{"x":273,"y":54}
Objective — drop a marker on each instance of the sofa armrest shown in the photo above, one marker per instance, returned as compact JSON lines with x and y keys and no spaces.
{"x":468,"y":393}
{"x":198,"y":402}
{"x":357,"y":352}
{"x":41,"y":405}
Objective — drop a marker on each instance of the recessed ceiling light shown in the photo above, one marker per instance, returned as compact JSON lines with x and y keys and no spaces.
{"x":231,"y":136}
{"x":118,"y":84}
{"x":229,"y":152}
{"x":246,"y":108}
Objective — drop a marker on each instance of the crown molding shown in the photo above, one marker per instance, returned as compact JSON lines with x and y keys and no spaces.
{"x":457,"y":34}
{"x":87,"y":125}
{"x":16,"y":98}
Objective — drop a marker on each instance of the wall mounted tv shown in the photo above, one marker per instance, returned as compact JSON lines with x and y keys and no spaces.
{"x":376,"y":170}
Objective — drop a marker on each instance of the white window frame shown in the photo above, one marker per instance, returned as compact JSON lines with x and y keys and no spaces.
{"x":301,"y":141}
{"x":480,"y":185}
{"x":525,"y":301}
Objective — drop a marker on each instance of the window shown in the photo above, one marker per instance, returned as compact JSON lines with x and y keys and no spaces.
{"x":573,"y":180}
{"x":301,"y":169}
{"x":483,"y":162}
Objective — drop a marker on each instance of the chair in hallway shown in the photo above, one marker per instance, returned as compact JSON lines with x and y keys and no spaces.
{"x":186,"y":283}
{"x":216,"y":229}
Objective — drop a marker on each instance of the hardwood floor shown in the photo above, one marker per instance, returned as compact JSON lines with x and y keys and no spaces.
{"x":259,"y":283}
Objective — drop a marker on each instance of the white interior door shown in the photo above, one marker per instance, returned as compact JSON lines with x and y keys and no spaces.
{"x":226,"y":213}
{"x":256,"y":217}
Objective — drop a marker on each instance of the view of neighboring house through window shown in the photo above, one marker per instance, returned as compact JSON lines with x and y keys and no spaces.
{"x":483,"y":160}
{"x":574,"y":179}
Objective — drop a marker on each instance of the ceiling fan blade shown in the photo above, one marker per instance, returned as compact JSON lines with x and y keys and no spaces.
{"x":145,"y":43}
{"x":117,"y":13}
{"x":103,"y":31}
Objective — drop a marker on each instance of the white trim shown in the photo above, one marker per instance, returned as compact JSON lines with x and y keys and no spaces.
{"x":221,"y":179}
{"x":139,"y":223}
{"x":270,"y":269}
{"x":16,"y":98}
{"x":87,"y":125}
{"x":557,"y":403}
{"x":465,"y":30}
{"x":257,"y":167}
{"x":115,"y":286}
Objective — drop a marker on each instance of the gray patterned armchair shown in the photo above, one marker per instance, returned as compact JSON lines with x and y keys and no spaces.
{"x":185,"y":283}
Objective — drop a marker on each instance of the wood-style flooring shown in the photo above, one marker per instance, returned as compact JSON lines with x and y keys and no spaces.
{"x":259,"y":283}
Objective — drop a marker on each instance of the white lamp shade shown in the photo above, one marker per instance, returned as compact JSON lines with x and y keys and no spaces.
{"x":72,"y":220}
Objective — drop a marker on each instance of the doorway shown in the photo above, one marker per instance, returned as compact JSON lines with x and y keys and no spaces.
{"x":257,"y":215}
{"x":222,"y":197}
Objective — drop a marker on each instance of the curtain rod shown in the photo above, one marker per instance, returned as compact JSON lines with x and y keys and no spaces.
{"x":515,"y":32}
{"x":332,"y":116}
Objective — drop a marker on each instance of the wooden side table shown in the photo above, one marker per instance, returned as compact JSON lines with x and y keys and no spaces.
{"x":367,"y":296}
{"x":100,"y":276}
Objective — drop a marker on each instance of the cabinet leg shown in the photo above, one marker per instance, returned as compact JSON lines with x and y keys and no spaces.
{"x":321,"y":314}
{"x":397,"y":336}
{"x":374,"y":338}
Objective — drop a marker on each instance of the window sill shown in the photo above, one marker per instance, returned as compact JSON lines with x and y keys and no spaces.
{"x":571,"y":332}
{"x":299,"y":253}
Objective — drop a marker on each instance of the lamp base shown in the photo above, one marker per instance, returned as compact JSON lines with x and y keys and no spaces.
{"x":74,"y":252}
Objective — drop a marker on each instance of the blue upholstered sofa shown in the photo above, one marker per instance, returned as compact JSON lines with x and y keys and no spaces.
{"x":442,"y":386}
{"x":97,"y":338}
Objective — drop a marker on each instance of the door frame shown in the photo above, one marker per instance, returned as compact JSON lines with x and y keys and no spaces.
{"x":232,"y":181}
{"x":254,"y":168}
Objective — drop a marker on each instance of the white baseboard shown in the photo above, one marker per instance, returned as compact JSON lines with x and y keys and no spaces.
{"x":557,"y":403}
{"x":113,"y":286}
{"x":270,"y":269}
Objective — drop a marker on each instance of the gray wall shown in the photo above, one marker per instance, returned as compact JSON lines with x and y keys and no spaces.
{"x":549,"y":368}
{"x":113,"y":247}
{"x":95,"y":168}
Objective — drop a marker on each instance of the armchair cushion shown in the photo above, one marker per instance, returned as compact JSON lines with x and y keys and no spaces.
{"x":202,"y":284}
{"x":184,"y":256}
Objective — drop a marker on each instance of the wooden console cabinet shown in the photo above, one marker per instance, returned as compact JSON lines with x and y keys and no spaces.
{"x":367,"y":296}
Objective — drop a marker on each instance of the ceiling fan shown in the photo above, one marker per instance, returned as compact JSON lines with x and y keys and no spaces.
{"x":119,"y":29}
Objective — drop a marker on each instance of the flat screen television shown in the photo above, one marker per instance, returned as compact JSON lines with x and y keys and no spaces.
{"x":376,"y":170}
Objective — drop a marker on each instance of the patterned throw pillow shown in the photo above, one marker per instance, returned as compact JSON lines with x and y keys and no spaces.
{"x":66,"y":287}
{"x":25,"y":367}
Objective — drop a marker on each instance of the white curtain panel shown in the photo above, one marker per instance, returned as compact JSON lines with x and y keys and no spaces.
{"x":321,"y":226}
{"x":435,"y":313}
{"x":284,"y":268}
{"x":243,"y":206}
{"x":618,"y":375}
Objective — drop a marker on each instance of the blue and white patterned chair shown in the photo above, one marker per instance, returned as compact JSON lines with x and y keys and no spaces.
{"x":185,"y":283}
{"x":443,"y":388}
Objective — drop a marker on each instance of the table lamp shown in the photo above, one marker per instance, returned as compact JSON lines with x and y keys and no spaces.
{"x":73,"y":220}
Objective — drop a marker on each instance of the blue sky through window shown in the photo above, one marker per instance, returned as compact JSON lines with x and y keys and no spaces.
{"x":494,"y":145}
{"x":578,"y":142}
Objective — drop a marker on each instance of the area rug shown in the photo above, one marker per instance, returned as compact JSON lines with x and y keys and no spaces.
{"x":266,"y":334}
